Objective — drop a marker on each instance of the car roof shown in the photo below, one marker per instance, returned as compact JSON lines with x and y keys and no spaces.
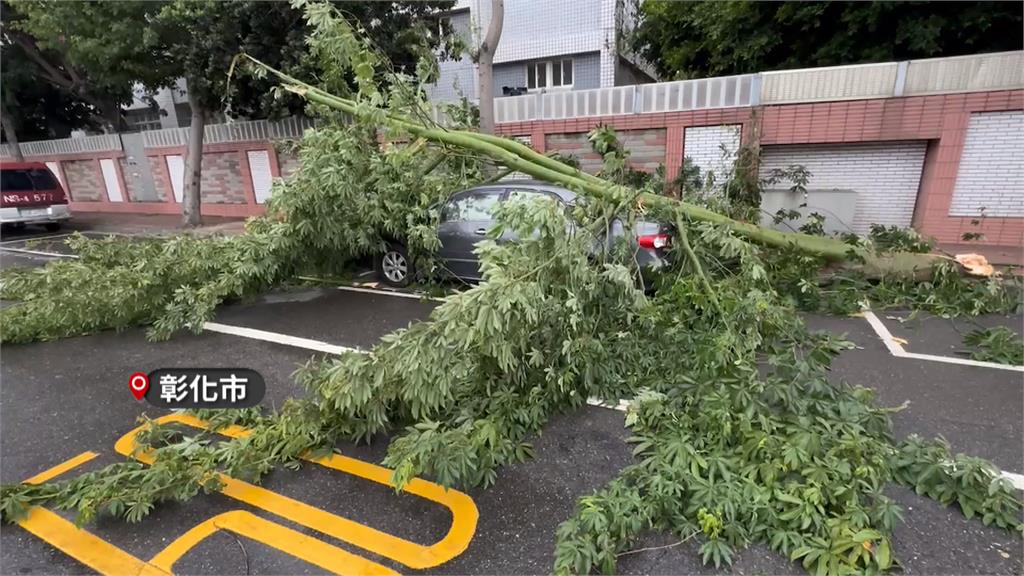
{"x":5,"y":165}
{"x":533,"y":184}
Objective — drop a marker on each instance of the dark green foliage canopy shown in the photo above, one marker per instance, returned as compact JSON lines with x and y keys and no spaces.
{"x":691,"y":39}
{"x":97,"y":51}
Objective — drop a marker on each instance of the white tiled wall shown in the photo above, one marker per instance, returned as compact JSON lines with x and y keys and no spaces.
{"x":704,"y":146}
{"x":885,"y":176}
{"x":458,"y":76}
{"x":991,"y":173}
{"x":535,"y":29}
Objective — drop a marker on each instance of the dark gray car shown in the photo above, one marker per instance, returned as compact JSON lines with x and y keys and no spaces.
{"x":467,"y":215}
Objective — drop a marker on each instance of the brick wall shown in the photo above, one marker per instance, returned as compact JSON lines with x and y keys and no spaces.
{"x":647,"y":148}
{"x":84,"y":180}
{"x":885,"y":176}
{"x":161,"y":179}
{"x":288,"y":161}
{"x":712,"y":148}
{"x":222,"y":179}
{"x":575,"y":145}
{"x":991,"y":176}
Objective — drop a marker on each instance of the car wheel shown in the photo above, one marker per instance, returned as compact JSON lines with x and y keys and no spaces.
{"x":52,"y":226}
{"x":394,"y":267}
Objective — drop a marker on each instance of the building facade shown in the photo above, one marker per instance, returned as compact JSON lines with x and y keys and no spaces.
{"x":545,"y":46}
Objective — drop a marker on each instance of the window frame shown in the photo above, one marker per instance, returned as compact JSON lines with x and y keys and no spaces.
{"x":549,"y":67}
{"x":499,"y":193}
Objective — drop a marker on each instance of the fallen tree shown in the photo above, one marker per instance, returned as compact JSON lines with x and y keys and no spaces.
{"x":740,"y":435}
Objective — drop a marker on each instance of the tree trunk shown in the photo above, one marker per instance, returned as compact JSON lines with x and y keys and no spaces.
{"x":485,"y":66}
{"x":190,"y":201}
{"x":110,"y":117}
{"x":12,"y":136}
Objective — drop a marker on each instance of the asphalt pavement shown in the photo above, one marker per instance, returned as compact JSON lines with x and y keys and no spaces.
{"x":60,"y":399}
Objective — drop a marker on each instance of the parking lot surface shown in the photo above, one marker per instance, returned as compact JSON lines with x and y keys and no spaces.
{"x":60,"y":399}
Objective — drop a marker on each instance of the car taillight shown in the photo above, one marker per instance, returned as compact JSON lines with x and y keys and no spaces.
{"x":653,"y":241}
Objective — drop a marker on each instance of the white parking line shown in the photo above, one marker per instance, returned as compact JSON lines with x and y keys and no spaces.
{"x":413,"y":295}
{"x":277,"y":338}
{"x":1017,"y":480}
{"x":622,"y":406}
{"x":35,"y":238}
{"x":37,"y":252}
{"x":897,"y":350}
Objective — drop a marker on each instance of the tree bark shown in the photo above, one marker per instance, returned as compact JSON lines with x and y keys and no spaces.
{"x":12,"y":135}
{"x":191,"y":196}
{"x":485,"y":66}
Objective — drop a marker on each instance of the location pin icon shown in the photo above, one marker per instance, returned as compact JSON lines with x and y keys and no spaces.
{"x":138,"y":383}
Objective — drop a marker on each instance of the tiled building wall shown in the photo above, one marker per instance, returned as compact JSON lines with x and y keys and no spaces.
{"x":990,"y":181}
{"x":535,"y":30}
{"x":885,"y":175}
{"x":457,"y":75}
{"x":586,"y":73}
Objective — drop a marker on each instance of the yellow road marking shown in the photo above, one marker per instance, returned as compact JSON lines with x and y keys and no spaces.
{"x":61,"y":468}
{"x":80,"y":544}
{"x":411,"y":554}
{"x":316,"y":552}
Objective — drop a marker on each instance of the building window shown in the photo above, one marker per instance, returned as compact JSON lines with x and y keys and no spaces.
{"x":142,"y":119}
{"x":549,"y":74}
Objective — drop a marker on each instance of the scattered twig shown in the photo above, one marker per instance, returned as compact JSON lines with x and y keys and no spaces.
{"x":650,"y":548}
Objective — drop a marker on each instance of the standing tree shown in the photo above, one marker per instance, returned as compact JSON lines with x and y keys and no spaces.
{"x":108,"y":47}
{"x":94,"y":52}
{"x":693,"y":39}
{"x":485,"y":65}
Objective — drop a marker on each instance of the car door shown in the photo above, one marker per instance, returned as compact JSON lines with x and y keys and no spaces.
{"x":465,"y":219}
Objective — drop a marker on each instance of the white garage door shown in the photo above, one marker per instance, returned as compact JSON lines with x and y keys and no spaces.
{"x":885,"y":176}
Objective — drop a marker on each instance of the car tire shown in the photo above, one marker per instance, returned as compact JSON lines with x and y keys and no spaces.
{"x":52,"y":226}
{"x":394,"y":267}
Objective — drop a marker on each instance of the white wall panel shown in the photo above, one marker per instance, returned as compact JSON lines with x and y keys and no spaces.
{"x":110,"y":181}
{"x":990,"y":179}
